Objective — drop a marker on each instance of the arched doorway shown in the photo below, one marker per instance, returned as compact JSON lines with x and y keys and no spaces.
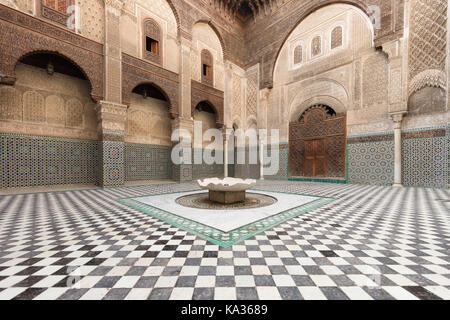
{"x":206,"y":115}
{"x":48,"y":124}
{"x":147,"y":135}
{"x":317,"y":144}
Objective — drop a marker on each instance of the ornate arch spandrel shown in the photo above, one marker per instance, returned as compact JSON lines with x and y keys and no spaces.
{"x":391,"y":29}
{"x":201,"y":92}
{"x":26,"y":35}
{"x":136,"y":72}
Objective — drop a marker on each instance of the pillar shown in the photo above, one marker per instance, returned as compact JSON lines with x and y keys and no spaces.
{"x":111,"y":112}
{"x":183,"y":172}
{"x":111,"y":119}
{"x":261,"y":158}
{"x":226,"y":134}
{"x":397,"y":53}
{"x":397,"y":118}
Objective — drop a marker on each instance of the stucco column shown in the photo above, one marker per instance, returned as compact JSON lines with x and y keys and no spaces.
{"x":397,"y":118}
{"x":183,"y":172}
{"x":113,"y":52}
{"x":111,"y":127}
{"x":185,"y":76}
{"x":397,"y":52}
{"x":111,"y":113}
{"x":226,"y":134}
{"x":261,"y":159}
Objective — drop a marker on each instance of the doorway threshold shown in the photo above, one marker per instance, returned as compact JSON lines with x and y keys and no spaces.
{"x":320,"y":179}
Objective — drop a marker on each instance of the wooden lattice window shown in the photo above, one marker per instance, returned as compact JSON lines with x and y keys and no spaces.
{"x":207,"y":67}
{"x":316,"y":46}
{"x":298,"y":55}
{"x":56,"y":10}
{"x":336,"y":38}
{"x":152,"y":41}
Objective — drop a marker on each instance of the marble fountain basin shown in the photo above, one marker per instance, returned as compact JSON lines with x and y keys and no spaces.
{"x":228,"y":190}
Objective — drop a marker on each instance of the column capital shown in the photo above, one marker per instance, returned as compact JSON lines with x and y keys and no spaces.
{"x":393,"y":49}
{"x":265,"y":94}
{"x":111,"y":119}
{"x":397,"y":117}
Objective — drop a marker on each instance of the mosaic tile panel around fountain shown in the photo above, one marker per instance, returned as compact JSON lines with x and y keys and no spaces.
{"x":34,"y":161}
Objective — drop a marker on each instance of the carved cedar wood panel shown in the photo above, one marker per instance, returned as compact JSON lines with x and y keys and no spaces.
{"x":25,"y":34}
{"x":136,"y":72}
{"x":317,"y":145}
{"x":201,"y":92}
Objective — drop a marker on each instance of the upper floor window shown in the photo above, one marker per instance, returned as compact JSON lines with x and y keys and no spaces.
{"x":336,"y":38}
{"x":152,"y":42}
{"x":56,"y":10}
{"x":207,"y":67}
{"x":316,"y":46}
{"x":298,"y":54}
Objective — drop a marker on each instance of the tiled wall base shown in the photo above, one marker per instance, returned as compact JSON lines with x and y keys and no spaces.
{"x":246,"y":170}
{"x":371,"y":163}
{"x":113,"y":165}
{"x":282,"y":173}
{"x":147,"y":162}
{"x":426,"y":158}
{"x":35,"y":161}
{"x":201,"y":171}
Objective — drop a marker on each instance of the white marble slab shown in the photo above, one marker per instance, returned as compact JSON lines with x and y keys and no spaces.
{"x":225,"y":220}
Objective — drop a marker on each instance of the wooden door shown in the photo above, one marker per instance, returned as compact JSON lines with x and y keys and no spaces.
{"x":314,"y":164}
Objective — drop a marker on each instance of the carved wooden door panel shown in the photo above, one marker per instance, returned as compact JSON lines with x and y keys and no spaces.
{"x":317,"y":144}
{"x":309,"y":159}
{"x":314,"y":164}
{"x":320,"y":157}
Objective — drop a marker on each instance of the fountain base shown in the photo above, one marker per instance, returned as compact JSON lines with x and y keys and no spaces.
{"x":227,"y":197}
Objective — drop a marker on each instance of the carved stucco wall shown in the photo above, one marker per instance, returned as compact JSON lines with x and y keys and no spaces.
{"x":428,"y":56}
{"x":27,"y":6}
{"x":208,"y":121}
{"x":91,"y":15}
{"x":43,"y":105}
{"x":237,"y":93}
{"x":334,"y":77}
{"x":134,"y":12}
{"x":252,"y":90}
{"x":148,"y":122}
{"x":92,"y":18}
{"x":204,"y":37}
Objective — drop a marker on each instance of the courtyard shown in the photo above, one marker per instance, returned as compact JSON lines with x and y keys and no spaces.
{"x":360,"y":242}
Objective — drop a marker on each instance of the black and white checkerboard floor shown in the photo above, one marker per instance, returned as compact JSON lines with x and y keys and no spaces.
{"x":371,"y":243}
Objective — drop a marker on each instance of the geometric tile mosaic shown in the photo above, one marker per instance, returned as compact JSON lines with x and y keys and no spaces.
{"x":282,"y":174}
{"x":203,"y":170}
{"x":33,"y":161}
{"x":425,"y":162}
{"x":113,"y":163}
{"x":147,"y":162}
{"x":371,"y":163}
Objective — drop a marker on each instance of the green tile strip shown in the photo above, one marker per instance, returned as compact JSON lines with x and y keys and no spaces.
{"x":225,"y":239}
